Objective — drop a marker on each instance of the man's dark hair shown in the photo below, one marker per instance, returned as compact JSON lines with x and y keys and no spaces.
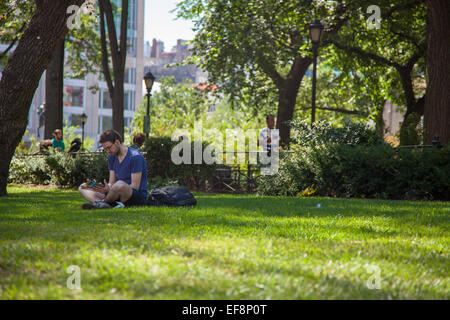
{"x":111,"y":136}
{"x":269,"y":115}
{"x":139,"y":139}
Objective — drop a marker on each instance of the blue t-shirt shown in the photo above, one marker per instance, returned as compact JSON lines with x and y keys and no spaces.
{"x":133,"y":162}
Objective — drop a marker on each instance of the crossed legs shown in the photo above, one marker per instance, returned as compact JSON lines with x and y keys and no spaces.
{"x":120,"y":191}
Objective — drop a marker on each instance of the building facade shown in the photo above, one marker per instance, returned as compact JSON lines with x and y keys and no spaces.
{"x":80,"y":97}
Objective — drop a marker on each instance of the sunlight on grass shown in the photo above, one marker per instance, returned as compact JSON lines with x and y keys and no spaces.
{"x":228,"y":247}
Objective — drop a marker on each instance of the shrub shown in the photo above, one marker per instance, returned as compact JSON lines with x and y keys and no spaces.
{"x":324,"y":132}
{"x":29,"y":169}
{"x":162,"y":170}
{"x":58,"y":168}
{"x":362,"y":171}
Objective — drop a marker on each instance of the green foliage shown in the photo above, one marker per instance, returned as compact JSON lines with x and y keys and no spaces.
{"x":366,"y":171}
{"x":31,"y":147}
{"x":58,"y":168}
{"x":14,"y":18}
{"x":350,"y":133}
{"x":174,"y":106}
{"x":162,"y":169}
{"x":179,"y":106}
{"x":29,"y":169}
{"x":83,"y":49}
{"x":411,"y":132}
{"x":69,"y":135}
{"x":338,"y":98}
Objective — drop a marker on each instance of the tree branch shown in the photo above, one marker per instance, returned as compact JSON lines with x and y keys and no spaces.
{"x":105,"y":62}
{"x":270,"y":70}
{"x":112,"y":35}
{"x":364,"y":54}
{"x":402,"y":6}
{"x":13,"y":41}
{"x":123,"y":33}
{"x":335,"y":110}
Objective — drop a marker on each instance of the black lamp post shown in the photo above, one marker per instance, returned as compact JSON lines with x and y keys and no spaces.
{"x":83,"y":122}
{"x":315,"y":33}
{"x":149,"y":79}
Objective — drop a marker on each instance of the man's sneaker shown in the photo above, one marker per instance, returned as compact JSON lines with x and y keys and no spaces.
{"x":95,"y":205}
{"x":119,"y":205}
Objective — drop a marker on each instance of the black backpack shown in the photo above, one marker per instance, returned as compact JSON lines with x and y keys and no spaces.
{"x":171,"y":196}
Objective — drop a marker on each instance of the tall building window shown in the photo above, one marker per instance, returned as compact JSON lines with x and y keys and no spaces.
{"x":132,"y":43}
{"x":73,"y":96}
{"x":104,"y":123}
{"x":128,"y":101}
{"x":106,"y":102}
{"x":130,"y":75}
{"x":132,"y":15}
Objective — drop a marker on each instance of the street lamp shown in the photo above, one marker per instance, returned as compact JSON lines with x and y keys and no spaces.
{"x":83,"y":122}
{"x":315,"y":33}
{"x":149,"y":79}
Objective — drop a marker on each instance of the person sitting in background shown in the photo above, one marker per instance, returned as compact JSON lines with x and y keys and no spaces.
{"x":75,"y":146}
{"x":138,"y":141}
{"x":57,"y":140}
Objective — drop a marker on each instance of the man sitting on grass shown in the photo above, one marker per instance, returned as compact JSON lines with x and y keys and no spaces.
{"x":127,"y":184}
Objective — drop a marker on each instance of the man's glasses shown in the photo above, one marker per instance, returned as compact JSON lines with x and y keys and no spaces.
{"x":108,"y":148}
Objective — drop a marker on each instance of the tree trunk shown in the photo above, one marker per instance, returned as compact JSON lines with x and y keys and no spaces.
{"x":54,"y":85}
{"x":414,"y":109}
{"x":118,"y":56}
{"x":287,"y":97}
{"x":21,"y":75}
{"x":437,"y":102}
{"x":117,"y":102}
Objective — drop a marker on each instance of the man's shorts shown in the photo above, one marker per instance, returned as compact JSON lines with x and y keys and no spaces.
{"x":137,"y":199}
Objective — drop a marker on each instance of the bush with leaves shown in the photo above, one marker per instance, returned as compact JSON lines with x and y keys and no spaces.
{"x":29,"y":169}
{"x":351,"y":133}
{"x":364,"y":171}
{"x":58,"y":168}
{"x":162,"y":169}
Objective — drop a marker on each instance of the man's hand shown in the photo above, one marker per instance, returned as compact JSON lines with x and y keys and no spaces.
{"x":98,"y":188}
{"x":106,"y":188}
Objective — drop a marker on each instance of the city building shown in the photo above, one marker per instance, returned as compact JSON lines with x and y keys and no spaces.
{"x":79,"y":97}
{"x":158,"y":62}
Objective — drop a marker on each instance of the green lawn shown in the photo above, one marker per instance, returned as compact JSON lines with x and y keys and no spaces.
{"x":228,"y":247}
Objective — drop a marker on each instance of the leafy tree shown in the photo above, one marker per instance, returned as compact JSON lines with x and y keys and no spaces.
{"x":14,"y":18}
{"x":398,"y":46}
{"x":175,"y":106}
{"x":179,"y":106}
{"x":23,"y":71}
{"x":258,"y":44}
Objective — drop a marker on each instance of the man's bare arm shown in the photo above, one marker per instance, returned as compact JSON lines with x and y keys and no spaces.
{"x":136,"y":180}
